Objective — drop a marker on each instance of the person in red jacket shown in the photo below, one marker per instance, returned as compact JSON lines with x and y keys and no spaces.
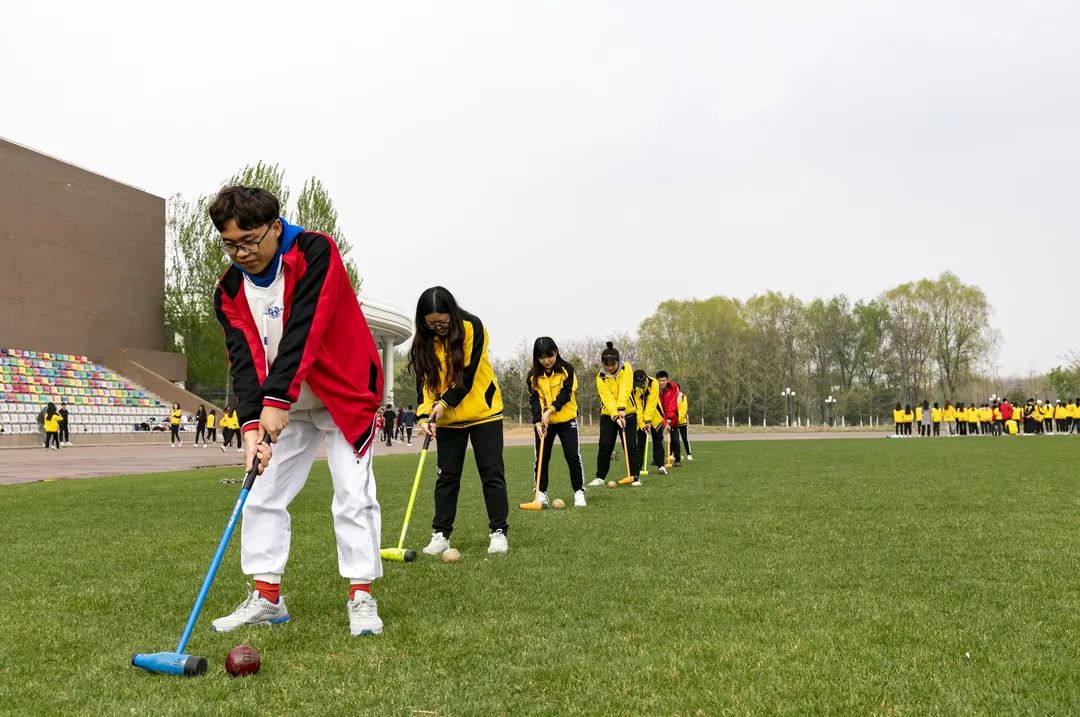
{"x":669,"y":405}
{"x":306,"y":371}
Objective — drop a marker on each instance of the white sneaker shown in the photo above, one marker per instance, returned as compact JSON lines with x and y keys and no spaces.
{"x":498,"y":543}
{"x":239,"y":450}
{"x":363,"y":615}
{"x":223,"y":449}
{"x":579,"y":499}
{"x":689,"y":457}
{"x":596,"y":482}
{"x":253,"y":611}
{"x":636,"y":484}
{"x":662,"y":471}
{"x":541,"y":498}
{"x":438,"y":545}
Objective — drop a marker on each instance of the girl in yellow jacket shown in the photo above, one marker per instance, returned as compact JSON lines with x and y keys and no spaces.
{"x":650,"y":420}
{"x":898,"y":419}
{"x":175,"y":417}
{"x":552,"y":386}
{"x":618,"y":415}
{"x":51,"y":424}
{"x":684,"y":423}
{"x":460,"y":403}
{"x":948,"y":417}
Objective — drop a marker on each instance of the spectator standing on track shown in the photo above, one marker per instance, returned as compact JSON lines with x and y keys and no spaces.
{"x":65,"y":432}
{"x":389,"y":419}
{"x":200,"y":426}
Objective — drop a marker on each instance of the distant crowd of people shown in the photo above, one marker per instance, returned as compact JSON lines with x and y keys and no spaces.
{"x":991,"y":418}
{"x":396,"y":425}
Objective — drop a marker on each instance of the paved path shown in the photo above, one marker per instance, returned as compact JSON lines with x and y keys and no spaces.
{"x":22,"y":465}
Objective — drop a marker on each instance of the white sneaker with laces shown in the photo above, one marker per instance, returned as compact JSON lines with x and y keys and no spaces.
{"x":662,"y":471}
{"x":636,"y":484}
{"x":253,"y":611}
{"x":579,"y":499}
{"x":595,"y":482}
{"x":689,"y":457}
{"x":364,"y":615}
{"x":541,"y":497}
{"x":438,"y":545}
{"x":498,"y":543}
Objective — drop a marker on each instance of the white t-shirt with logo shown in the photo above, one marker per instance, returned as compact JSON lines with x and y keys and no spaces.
{"x":268,"y":309}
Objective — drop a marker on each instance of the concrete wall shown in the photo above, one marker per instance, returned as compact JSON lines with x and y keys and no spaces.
{"x":82,"y":259}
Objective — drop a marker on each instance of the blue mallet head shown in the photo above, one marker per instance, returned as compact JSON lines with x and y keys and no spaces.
{"x":170,"y":663}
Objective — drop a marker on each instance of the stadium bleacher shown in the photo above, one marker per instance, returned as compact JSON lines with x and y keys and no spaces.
{"x":99,"y":400}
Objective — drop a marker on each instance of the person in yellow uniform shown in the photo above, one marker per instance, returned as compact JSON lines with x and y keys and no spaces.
{"x":684,"y":423}
{"x":459,"y":403}
{"x":646,"y":396}
{"x":986,"y":419}
{"x":909,"y":419}
{"x":1037,"y":416}
{"x":948,"y":417}
{"x":998,"y":425}
{"x":898,"y":419}
{"x":51,"y":424}
{"x":618,"y":415}
{"x":175,"y":417}
{"x":918,"y":418}
{"x":973,"y":419}
{"x":552,"y":386}
{"x":935,"y":418}
{"x":1074,"y":427}
{"x":1059,"y":417}
{"x":211,"y":425}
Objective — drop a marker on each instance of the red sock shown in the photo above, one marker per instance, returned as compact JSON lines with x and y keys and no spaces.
{"x":268,"y":591}
{"x":356,"y":587}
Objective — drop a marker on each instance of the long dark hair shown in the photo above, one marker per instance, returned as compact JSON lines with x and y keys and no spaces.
{"x":423,"y":363}
{"x":545,"y":346}
{"x":50,"y":409}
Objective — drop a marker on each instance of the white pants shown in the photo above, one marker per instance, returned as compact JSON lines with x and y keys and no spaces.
{"x":266,"y":527}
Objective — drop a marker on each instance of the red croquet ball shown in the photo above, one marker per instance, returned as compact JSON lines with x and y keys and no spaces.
{"x":242,"y":660}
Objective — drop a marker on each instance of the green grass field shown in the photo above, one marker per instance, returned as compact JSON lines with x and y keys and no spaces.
{"x":802,"y":577}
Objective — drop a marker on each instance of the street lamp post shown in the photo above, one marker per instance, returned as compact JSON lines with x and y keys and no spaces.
{"x":830,"y":402}
{"x":788,"y":394}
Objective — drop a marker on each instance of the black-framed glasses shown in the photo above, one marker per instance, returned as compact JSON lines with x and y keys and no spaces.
{"x":438,"y":325}
{"x":248,"y":247}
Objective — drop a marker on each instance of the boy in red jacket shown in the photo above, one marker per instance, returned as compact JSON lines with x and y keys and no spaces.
{"x":306,"y":370}
{"x":669,"y":404}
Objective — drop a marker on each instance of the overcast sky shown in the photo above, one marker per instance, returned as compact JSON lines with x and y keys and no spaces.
{"x":563,"y":167}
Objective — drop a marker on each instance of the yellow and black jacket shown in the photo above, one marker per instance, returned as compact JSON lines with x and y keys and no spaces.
{"x":616,"y":391}
{"x":478,"y":399}
{"x":557,"y":390}
{"x":647,"y":401}
{"x":683,"y":410}
{"x":175,"y":417}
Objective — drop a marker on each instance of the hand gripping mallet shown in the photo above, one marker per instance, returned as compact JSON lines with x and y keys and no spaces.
{"x":536,"y":504}
{"x":626,"y":457}
{"x":400,"y":554}
{"x":178,"y":663}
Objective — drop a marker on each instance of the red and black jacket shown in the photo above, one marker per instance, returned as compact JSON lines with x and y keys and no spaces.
{"x":325,"y":341}
{"x":669,"y":402}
